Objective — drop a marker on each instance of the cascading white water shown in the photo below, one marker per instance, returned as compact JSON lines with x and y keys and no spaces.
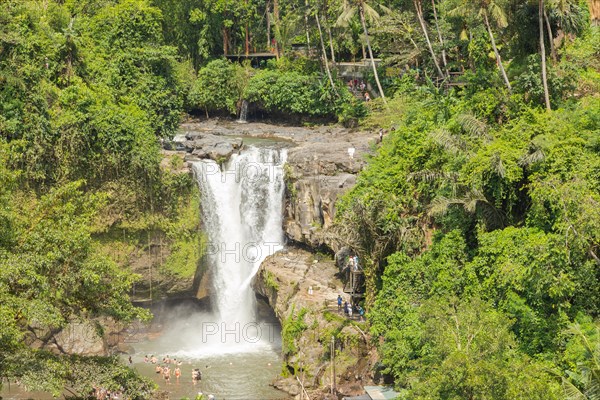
{"x":243,"y":112}
{"x":242,"y":215}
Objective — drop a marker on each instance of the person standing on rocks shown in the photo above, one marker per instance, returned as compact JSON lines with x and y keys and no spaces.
{"x":361,"y":313}
{"x":339,"y":301}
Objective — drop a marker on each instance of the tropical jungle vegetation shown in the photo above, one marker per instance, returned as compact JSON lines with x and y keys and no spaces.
{"x":478,"y":215}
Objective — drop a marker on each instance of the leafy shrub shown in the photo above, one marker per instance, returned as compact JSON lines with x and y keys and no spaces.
{"x":216,"y":88}
{"x":290,"y":92}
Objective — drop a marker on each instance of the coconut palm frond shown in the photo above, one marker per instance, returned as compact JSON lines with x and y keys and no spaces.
{"x":472,"y":125}
{"x":429,"y":176}
{"x":471,"y":199}
{"x":459,"y":11}
{"x":498,"y":15}
{"x":593,"y":389}
{"x":440,"y":205}
{"x":532,"y":158}
{"x":571,"y":391}
{"x":493,"y":217}
{"x":449,"y":142}
{"x":347,"y":13}
{"x":385,"y":9}
{"x":371,"y":14}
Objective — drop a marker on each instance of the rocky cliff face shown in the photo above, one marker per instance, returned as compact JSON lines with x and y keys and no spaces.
{"x":303,"y":290}
{"x":318,"y":174}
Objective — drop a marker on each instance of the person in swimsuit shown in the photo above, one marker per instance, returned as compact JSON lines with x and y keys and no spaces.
{"x":177,"y":373}
{"x":167,"y":375}
{"x":196,"y":375}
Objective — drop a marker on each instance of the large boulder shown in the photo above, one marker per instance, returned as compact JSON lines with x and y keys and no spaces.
{"x":216,"y":147}
{"x":82,"y":338}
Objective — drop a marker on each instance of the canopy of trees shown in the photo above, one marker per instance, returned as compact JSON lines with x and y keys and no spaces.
{"x":477,"y":221}
{"x":477,"y":217}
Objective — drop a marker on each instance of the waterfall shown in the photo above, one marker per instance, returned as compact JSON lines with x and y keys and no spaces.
{"x":243,"y":112}
{"x":242,"y":216}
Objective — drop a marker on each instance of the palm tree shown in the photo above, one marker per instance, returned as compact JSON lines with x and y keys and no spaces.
{"x":584,"y":384}
{"x":349,"y":8}
{"x":543,"y":53}
{"x":486,"y":9}
{"x":324,"y":52}
{"x":568,"y":17}
{"x":419,"y":9}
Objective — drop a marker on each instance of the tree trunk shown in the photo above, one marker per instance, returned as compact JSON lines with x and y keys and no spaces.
{"x":439,"y":32}
{"x":324,"y":52}
{"x":364,"y":24}
{"x":543,"y":54}
{"x":268,"y":17}
{"x":247,"y":33}
{"x":550,"y":37}
{"x":329,"y":35}
{"x":306,"y":29}
{"x":331,"y":45}
{"x":276,"y":22}
{"x":247,"y":42}
{"x":419,"y":10}
{"x":498,"y":58}
{"x":225,"y":41}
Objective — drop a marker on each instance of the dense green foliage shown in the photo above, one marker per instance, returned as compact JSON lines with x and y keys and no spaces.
{"x":477,"y":220}
{"x":87,"y":89}
{"x":280,"y":89}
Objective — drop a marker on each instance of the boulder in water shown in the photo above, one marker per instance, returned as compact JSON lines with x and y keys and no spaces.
{"x":215,"y":147}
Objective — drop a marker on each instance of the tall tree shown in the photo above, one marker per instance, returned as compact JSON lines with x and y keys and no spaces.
{"x":419,"y":9}
{"x":323,"y":51}
{"x":349,"y":9}
{"x":486,"y":9}
{"x":543,"y":53}
{"x":440,"y":37}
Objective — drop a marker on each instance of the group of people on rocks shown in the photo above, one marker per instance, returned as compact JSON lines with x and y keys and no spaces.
{"x":350,"y":308}
{"x":101,"y":393}
{"x":356,"y":86}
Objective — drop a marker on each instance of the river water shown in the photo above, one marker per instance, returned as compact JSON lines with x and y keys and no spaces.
{"x":236,"y":363}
